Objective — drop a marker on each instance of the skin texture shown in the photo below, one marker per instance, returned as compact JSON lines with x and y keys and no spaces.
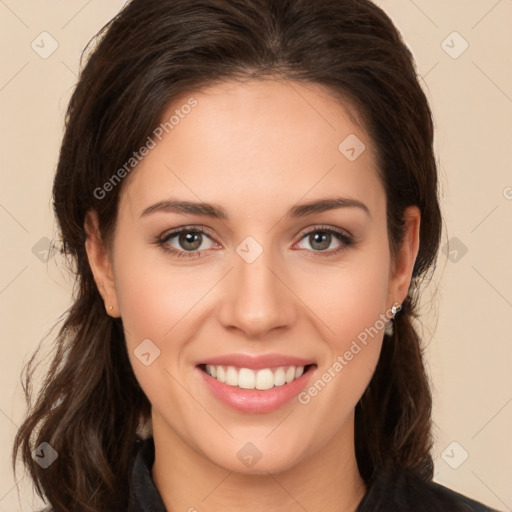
{"x":256,"y":149}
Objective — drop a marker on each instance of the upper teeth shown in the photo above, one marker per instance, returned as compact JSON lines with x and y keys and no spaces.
{"x":254,"y":379}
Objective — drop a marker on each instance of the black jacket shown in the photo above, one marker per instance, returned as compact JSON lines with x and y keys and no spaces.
{"x":402,"y":493}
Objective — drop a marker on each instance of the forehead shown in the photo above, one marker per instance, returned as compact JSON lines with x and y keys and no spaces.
{"x":257,"y":143}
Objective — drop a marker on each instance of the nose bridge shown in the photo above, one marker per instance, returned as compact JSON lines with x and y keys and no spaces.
{"x":256,"y":300}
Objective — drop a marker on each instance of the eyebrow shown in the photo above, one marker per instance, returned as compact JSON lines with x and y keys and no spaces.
{"x":217,"y":212}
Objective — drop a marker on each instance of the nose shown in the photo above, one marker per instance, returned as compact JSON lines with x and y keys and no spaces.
{"x":257,"y":298}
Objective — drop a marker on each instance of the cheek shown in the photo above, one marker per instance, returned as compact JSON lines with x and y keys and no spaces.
{"x":348,"y":298}
{"x":158,"y":302}
{"x":154,"y":297}
{"x":154,"y":300}
{"x":351,"y":303}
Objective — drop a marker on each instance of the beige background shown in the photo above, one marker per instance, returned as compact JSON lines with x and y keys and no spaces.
{"x":467,"y":319}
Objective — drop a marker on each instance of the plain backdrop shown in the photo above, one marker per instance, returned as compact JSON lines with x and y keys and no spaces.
{"x":462,"y":49}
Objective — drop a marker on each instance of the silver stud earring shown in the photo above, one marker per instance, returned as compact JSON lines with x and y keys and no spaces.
{"x":389,"y":326}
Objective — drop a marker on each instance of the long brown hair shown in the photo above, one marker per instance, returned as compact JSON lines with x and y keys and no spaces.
{"x":90,"y":406}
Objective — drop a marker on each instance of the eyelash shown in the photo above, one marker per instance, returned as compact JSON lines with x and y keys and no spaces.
{"x":346,"y":240}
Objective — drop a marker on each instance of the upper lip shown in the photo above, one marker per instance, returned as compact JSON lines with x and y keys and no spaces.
{"x":256,"y":362}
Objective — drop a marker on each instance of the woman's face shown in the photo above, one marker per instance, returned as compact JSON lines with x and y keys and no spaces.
{"x":266,"y":286}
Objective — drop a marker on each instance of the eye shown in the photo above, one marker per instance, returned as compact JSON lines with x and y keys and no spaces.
{"x":185,"y":242}
{"x":320,"y":239}
{"x":188,"y":241}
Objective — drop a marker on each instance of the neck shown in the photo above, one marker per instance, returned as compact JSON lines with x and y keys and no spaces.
{"x":328,"y":480}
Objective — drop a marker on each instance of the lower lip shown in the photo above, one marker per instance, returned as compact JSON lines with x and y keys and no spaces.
{"x":255,"y":400}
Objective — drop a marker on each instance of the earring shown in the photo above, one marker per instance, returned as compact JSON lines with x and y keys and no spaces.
{"x":389,"y":326}
{"x":111,"y":308}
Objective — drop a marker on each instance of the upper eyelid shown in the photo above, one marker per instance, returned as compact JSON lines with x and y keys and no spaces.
{"x":320,"y":227}
{"x":185,"y":229}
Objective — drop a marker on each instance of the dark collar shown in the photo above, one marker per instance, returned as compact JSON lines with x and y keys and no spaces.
{"x":144,"y":496}
{"x":397,"y":493}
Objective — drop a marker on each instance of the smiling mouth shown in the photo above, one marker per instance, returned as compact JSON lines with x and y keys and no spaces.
{"x":261,"y":379}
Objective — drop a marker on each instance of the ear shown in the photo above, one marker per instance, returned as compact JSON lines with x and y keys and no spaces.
{"x":402,"y":267}
{"x":100,"y":263}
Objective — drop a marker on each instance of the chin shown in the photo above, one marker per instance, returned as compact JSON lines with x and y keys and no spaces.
{"x":257,"y":457}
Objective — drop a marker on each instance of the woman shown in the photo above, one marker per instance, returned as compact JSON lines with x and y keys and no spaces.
{"x":248,"y":192}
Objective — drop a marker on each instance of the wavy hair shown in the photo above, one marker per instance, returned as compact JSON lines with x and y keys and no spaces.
{"x":90,"y":407}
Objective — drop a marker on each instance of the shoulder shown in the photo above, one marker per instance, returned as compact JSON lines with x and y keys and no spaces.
{"x":406,"y":492}
{"x":465,"y":502}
